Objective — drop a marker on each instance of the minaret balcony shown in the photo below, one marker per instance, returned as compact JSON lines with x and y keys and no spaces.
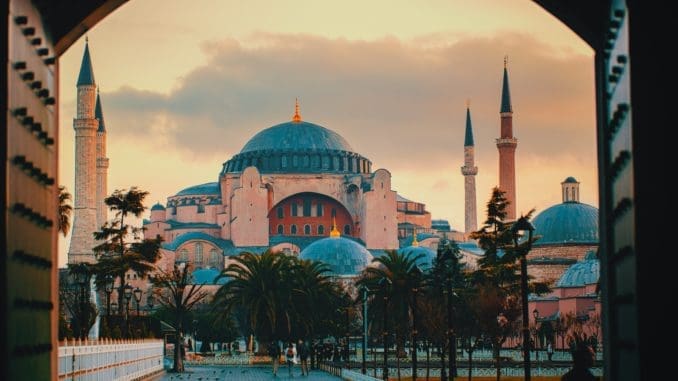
{"x":507,"y":142}
{"x":469,"y":171}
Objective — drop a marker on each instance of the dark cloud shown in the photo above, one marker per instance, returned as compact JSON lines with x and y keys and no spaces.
{"x":390,"y":99}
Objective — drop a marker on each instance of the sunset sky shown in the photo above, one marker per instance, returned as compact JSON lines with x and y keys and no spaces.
{"x":184,"y":85}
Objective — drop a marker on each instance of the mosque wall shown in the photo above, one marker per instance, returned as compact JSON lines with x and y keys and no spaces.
{"x":379,"y":228}
{"x":249,"y":211}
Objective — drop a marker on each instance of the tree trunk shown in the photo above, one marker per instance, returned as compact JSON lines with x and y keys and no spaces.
{"x":178,"y":359}
{"x":497,"y":352}
{"x":428,"y":360}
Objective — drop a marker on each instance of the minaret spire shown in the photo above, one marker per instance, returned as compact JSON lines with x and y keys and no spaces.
{"x":469,"y":170}
{"x":297,"y":115}
{"x":507,"y":144}
{"x":86,"y":76}
{"x":102,"y":165}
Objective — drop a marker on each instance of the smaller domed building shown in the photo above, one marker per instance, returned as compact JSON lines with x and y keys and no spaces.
{"x":567,"y":232}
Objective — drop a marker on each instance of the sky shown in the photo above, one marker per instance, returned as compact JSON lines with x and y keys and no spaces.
{"x":184,"y":85}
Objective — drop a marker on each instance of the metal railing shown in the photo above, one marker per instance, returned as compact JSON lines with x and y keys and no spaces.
{"x":109,"y":359}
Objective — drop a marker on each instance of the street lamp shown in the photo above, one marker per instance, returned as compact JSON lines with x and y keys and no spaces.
{"x":416,"y":272}
{"x":127,"y":293}
{"x":385,"y":284}
{"x":537,"y":342}
{"x":150,"y":302}
{"x":518,"y":229}
{"x":348,"y":338}
{"x":108,"y":288}
{"x":137,"y":298}
{"x":364,"y":290}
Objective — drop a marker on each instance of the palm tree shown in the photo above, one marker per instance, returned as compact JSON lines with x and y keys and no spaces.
{"x":65,"y":209}
{"x":401,"y":272}
{"x":176,"y":291}
{"x":121,"y":250}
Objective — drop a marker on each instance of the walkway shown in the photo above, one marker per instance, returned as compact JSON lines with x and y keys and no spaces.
{"x":220,"y":373}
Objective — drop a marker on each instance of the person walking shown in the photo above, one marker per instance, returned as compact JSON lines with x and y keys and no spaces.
{"x":303,"y":351}
{"x":290,"y":356}
{"x":549,"y":350}
{"x":274,"y":352}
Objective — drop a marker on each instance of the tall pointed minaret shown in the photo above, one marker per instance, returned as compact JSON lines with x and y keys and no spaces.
{"x":506,"y":144}
{"x":86,"y":126}
{"x":469,"y":170}
{"x":102,"y":166}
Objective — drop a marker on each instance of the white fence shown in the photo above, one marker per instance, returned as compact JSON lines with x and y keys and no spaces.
{"x":110,"y":359}
{"x":356,"y":376}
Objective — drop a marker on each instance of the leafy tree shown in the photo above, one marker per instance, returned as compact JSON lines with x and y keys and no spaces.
{"x":64,"y":212}
{"x":122,"y":248}
{"x":75,"y":298}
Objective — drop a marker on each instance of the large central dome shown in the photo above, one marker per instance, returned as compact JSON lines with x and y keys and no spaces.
{"x":298,"y":147}
{"x":296,"y":136}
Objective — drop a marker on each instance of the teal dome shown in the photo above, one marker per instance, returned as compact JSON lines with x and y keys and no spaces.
{"x":570,"y":180}
{"x":297,"y":136}
{"x":298,"y":147}
{"x":341,"y":255}
{"x":426,"y":255}
{"x":567,"y":223}
{"x":157,"y":206}
{"x":207,"y":276}
{"x":207,"y":188}
{"x":581,"y":273}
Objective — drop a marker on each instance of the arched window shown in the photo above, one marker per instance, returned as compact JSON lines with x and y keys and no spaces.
{"x":319,"y":210}
{"x":201,"y":208}
{"x":183,"y":255}
{"x":281,"y":212}
{"x":347,"y":229}
{"x":281,"y":230}
{"x":334,"y":212}
{"x":307,"y":229}
{"x":294,"y":209}
{"x":214,"y":258}
{"x":198,"y":253}
{"x":321,"y":230}
{"x":293,"y":229}
{"x":283,"y":161}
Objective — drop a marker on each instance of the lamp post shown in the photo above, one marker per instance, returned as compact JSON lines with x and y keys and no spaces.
{"x":108,"y":288}
{"x":128,"y":295}
{"x":348,"y":338}
{"x":520,"y":226}
{"x":82,"y":278}
{"x":150,"y":302}
{"x":537,"y":342}
{"x":385,"y":289}
{"x":137,"y":298}
{"x":364,"y":290}
{"x":472,"y":345}
{"x":452,"y":344}
{"x":415,"y":290}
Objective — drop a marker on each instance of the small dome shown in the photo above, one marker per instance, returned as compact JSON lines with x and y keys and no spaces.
{"x":157,"y":206}
{"x":570,"y":180}
{"x":581,"y":273}
{"x":567,"y":223}
{"x":426,"y":254}
{"x":207,"y":188}
{"x":207,"y":276}
{"x":341,"y":255}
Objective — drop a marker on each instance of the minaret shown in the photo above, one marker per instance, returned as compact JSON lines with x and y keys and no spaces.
{"x":469,"y":170}
{"x":102,"y":166}
{"x":86,"y":126}
{"x":506,"y":144}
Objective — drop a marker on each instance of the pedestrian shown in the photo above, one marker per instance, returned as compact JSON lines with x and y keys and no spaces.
{"x":274,"y":352}
{"x":290,"y":356}
{"x":549,"y":350}
{"x":303,"y":351}
{"x":582,"y":357}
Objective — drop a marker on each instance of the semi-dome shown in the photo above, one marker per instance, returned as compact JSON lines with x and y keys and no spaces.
{"x":298,"y":147}
{"x":341,"y":255}
{"x":581,"y":273}
{"x":426,"y":255}
{"x":567,"y":223}
{"x":202,"y":189}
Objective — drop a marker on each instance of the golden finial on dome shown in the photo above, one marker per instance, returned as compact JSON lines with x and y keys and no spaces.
{"x":297,"y":115}
{"x":415,"y":243}
{"x":334,"y":233}
{"x":505,"y":61}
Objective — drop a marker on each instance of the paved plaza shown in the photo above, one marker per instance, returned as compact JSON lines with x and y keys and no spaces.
{"x":240,"y":373}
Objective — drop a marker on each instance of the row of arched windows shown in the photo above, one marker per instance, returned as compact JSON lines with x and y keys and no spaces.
{"x":320,"y":230}
{"x":214,"y":257}
{"x":307,"y":210}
